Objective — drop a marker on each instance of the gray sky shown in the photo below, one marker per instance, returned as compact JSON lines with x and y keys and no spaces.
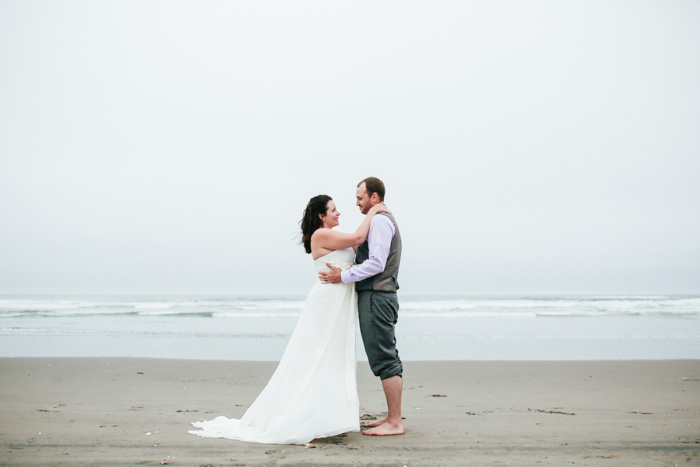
{"x":527,"y":147}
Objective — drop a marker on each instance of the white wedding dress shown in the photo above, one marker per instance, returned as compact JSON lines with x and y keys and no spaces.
{"x":313,"y":392}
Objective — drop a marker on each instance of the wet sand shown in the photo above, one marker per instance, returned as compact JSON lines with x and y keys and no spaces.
{"x":120,"y":411}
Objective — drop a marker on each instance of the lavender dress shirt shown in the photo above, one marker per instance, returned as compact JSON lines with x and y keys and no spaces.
{"x":381,"y":232}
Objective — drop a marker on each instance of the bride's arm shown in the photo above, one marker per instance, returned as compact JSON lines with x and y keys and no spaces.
{"x":332,"y":240}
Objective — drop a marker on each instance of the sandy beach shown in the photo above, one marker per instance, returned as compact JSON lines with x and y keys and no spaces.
{"x":118,"y":411}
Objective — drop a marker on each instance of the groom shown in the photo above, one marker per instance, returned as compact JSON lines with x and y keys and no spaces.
{"x":375,"y":275}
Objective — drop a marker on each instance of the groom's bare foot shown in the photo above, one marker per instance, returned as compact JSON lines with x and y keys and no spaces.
{"x":375,"y":423}
{"x":385,"y":429}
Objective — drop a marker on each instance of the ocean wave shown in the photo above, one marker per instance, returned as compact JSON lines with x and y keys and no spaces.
{"x":21,"y":331}
{"x":410,"y":307}
{"x":64,"y":313}
{"x":188,"y":333}
{"x":553,"y":307}
{"x":461,"y":337}
{"x":13,"y":308}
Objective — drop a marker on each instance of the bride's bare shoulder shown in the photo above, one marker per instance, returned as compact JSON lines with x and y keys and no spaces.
{"x":318,"y":238}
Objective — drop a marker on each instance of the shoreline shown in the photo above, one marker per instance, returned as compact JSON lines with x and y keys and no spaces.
{"x":99,"y":410}
{"x":359,"y":362}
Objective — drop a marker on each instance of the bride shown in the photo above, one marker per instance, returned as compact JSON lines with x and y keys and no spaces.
{"x":313,"y":392}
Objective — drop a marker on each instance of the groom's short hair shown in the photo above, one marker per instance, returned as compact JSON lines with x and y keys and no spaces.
{"x":374,"y":185}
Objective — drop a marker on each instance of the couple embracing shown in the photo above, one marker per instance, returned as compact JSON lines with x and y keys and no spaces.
{"x":313,"y":392}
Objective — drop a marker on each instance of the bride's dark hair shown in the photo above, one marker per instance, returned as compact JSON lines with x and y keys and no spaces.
{"x":310,"y":223}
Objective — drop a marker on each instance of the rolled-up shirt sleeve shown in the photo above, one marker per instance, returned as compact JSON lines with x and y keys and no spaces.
{"x":381,"y":232}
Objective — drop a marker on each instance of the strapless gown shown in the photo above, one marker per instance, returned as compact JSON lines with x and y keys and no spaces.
{"x":313,"y":392}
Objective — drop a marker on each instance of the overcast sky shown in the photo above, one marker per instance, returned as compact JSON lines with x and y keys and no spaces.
{"x":527,"y":147}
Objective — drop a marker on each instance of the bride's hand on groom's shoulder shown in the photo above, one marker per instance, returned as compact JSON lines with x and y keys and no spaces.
{"x":381,"y":207}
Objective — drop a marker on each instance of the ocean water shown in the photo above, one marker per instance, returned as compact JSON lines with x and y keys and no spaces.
{"x":429,"y":328}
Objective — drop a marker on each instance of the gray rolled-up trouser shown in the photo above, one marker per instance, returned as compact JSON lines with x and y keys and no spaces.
{"x":379,"y":312}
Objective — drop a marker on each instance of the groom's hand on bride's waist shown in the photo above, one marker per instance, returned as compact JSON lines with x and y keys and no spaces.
{"x":330,"y":277}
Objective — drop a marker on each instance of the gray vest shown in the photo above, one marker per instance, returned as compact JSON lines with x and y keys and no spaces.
{"x":386,"y":281}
